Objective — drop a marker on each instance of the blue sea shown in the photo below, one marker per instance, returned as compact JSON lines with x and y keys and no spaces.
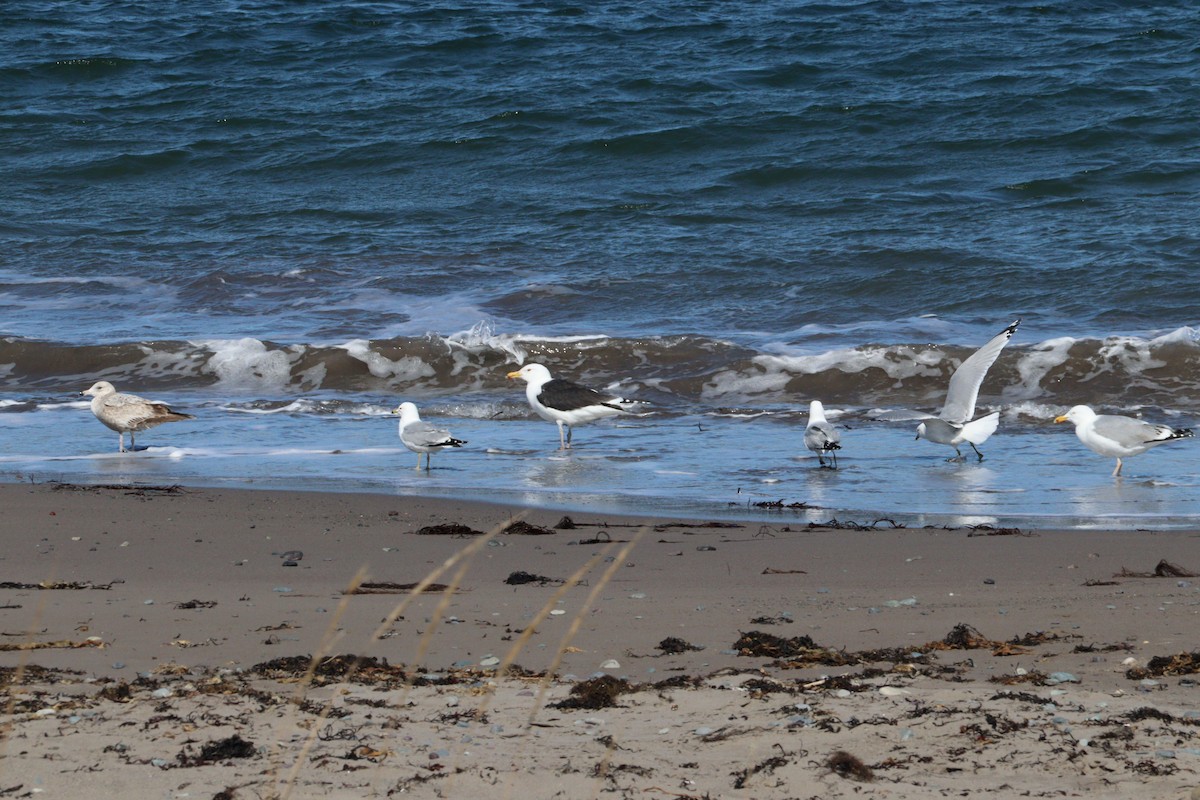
{"x":286,"y":218}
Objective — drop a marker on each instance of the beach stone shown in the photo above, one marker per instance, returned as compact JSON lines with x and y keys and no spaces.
{"x":488,"y":661}
{"x":1061,"y":677}
{"x":611,"y":663}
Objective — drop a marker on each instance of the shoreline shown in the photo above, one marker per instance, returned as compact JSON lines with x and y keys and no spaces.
{"x":182,"y":602}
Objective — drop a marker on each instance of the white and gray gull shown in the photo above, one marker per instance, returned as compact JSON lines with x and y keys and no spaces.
{"x":1116,"y":436}
{"x":954,"y":425}
{"x":566,"y":403}
{"x":821,"y":437}
{"x":128,"y":412}
{"x":421,"y":437}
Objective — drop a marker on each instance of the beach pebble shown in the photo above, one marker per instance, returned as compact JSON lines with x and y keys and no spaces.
{"x":843,"y":693}
{"x":282,"y":589}
{"x":161,"y":693}
{"x":488,"y":661}
{"x":706,"y":548}
{"x":451,"y":702}
{"x":703,"y":730}
{"x":611,"y":663}
{"x":147,"y":602}
{"x":558,"y":612}
{"x":989,"y":581}
{"x":1022,"y":671}
{"x":892,"y":691}
{"x":1061,"y":677}
{"x":906,"y":734}
{"x":638,"y":596}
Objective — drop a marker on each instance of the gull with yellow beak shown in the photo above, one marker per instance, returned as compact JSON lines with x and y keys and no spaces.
{"x":566,"y":403}
{"x":1116,"y":436}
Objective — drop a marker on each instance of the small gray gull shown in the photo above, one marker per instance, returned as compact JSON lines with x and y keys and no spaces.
{"x":821,"y":437}
{"x":954,"y":425}
{"x":421,"y":437}
{"x":1118,"y":437}
{"x":564,"y":402}
{"x":128,"y":412}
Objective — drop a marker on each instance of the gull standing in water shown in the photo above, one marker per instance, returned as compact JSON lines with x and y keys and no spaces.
{"x":566,"y":403}
{"x":421,"y":437}
{"x":954,"y":425}
{"x":1118,"y":437}
{"x":821,"y":437}
{"x":128,"y":412}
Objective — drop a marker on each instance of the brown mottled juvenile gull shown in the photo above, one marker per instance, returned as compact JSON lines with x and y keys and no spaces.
{"x":128,"y":412}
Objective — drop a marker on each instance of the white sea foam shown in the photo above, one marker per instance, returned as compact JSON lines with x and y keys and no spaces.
{"x":898,"y":363}
{"x":248,"y":364}
{"x":1034,"y":363}
{"x":407,"y":368}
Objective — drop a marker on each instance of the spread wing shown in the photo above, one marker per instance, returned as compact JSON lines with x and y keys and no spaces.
{"x":966,"y":380}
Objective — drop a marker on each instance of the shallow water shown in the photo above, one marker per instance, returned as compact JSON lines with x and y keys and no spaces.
{"x":706,"y":466}
{"x":288,"y":218}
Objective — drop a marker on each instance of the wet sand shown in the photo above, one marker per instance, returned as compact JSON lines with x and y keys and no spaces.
{"x":180,"y":642}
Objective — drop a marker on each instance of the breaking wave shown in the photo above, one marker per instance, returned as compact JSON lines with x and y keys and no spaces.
{"x":680,"y":371}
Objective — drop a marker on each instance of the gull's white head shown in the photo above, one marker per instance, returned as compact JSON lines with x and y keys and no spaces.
{"x":816,"y":412}
{"x":920,"y":431}
{"x":408,"y":413}
{"x":535,"y":374}
{"x":1078,"y":415}
{"x":100,"y":388}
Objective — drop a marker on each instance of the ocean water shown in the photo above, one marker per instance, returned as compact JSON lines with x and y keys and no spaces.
{"x":286,"y":218}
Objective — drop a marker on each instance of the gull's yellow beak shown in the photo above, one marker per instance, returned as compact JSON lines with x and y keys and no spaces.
{"x":1062,"y":418}
{"x":514,"y":374}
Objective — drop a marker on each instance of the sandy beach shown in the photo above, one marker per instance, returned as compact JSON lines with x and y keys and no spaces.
{"x":191,"y":642}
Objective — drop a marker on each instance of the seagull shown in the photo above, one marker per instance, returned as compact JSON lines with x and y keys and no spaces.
{"x":1118,"y":437}
{"x":564,"y":402}
{"x":128,"y":412}
{"x":954,"y":425}
{"x":421,"y":437}
{"x":821,"y":437}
